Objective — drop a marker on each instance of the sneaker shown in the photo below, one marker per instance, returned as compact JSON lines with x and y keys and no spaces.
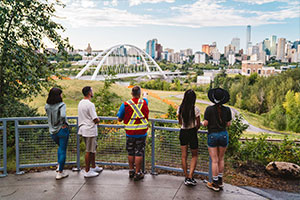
{"x":90,"y":174}
{"x":131,"y":173}
{"x":61,"y":175}
{"x":97,"y":169}
{"x":220,"y":182}
{"x":193,"y":181}
{"x":186,"y":182}
{"x":189,"y":181}
{"x":138,"y":176}
{"x":213,"y":186}
{"x":57,"y":169}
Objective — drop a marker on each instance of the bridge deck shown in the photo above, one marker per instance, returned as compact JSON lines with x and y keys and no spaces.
{"x":111,"y":185}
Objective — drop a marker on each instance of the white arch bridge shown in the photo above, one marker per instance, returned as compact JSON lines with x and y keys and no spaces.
{"x":145,"y":65}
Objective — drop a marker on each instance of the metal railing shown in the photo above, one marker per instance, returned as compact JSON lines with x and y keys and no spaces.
{"x":34,"y":147}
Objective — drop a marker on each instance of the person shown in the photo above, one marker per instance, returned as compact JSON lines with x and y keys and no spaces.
{"x":217,"y":117}
{"x":58,"y":127}
{"x":135,"y":114}
{"x":189,"y":119}
{"x":87,"y":123}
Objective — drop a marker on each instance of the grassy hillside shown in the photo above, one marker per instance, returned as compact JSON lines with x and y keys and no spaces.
{"x":72,"y":95}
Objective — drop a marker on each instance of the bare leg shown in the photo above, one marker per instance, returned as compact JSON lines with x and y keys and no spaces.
{"x":184,"y":159}
{"x":221,"y":152}
{"x":193,"y":162}
{"x":213,"y":153}
{"x":138,"y":163}
{"x":93,"y":163}
{"x":87,"y":161}
{"x":131,"y":162}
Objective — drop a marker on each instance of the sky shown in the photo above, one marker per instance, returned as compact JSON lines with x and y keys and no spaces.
{"x":177,"y":24}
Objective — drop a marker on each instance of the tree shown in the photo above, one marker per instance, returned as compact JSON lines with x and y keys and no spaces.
{"x":106,"y":102}
{"x":292,"y":108}
{"x":24,"y":68}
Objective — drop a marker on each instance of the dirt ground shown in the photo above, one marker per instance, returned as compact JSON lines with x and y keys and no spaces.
{"x":251,"y":174}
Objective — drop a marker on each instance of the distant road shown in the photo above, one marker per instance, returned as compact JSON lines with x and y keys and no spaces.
{"x":234,"y":113}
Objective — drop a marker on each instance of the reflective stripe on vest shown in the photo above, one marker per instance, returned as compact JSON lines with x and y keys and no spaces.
{"x":137,"y":114}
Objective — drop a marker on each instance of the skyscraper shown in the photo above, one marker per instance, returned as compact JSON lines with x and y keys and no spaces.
{"x":148,"y":47}
{"x":273,"y":45}
{"x":205,"y":48}
{"x":281,"y":49}
{"x":236,"y":43}
{"x":151,"y":47}
{"x":248,"y":38}
{"x":266,"y":46}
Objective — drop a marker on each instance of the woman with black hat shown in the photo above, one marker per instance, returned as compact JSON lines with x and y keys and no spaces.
{"x":217,"y":117}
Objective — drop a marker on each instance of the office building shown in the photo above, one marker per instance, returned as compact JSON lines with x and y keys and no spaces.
{"x":281,"y":49}
{"x":236,"y":43}
{"x":248,"y":37}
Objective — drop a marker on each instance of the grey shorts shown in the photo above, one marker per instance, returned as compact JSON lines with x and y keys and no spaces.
{"x":90,"y":144}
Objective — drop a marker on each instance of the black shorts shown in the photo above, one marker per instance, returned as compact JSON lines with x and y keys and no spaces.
{"x":189,"y":137}
{"x":135,"y":146}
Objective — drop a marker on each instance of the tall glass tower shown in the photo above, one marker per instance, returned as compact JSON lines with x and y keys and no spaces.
{"x":248,"y":38}
{"x":273,"y":49}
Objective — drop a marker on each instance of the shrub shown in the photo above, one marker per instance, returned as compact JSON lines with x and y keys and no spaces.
{"x":235,"y":131}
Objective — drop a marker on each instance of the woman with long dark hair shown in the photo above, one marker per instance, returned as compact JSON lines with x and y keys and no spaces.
{"x":58,"y":127}
{"x":189,"y":119}
{"x":217,"y":117}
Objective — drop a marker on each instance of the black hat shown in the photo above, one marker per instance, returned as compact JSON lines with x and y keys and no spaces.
{"x":218,"y":96}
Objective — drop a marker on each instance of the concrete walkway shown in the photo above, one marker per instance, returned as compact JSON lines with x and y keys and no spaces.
{"x":111,"y":185}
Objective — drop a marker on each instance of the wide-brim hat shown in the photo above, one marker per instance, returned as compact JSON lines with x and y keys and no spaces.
{"x":218,"y":96}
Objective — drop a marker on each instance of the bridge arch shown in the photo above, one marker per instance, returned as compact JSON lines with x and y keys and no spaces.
{"x":146,"y":58}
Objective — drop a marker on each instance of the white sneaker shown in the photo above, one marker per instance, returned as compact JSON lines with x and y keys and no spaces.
{"x":61,"y":175}
{"x":97,"y":169}
{"x":90,"y":174}
{"x":57,"y":169}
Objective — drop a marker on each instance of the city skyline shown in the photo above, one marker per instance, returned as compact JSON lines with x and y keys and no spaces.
{"x":176,"y":24}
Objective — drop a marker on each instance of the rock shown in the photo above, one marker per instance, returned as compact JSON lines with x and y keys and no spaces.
{"x":283,"y":169}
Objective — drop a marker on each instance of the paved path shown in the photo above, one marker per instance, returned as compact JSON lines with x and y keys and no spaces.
{"x":111,"y":185}
{"x":235,"y":112}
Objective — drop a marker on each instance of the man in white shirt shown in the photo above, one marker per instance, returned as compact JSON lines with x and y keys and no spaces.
{"x":87,"y":122}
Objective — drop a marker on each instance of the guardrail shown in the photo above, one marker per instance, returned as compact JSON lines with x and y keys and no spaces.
{"x":34,"y":147}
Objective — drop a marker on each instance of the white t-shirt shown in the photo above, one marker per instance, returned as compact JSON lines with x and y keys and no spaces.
{"x":86,"y":115}
{"x":191,"y":125}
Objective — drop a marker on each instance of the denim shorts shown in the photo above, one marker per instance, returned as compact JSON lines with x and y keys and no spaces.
{"x":219,"y":139}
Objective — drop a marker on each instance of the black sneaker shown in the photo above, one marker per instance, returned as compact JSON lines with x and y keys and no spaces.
{"x":189,"y":181}
{"x":138,"y":176}
{"x":131,"y":173}
{"x":220,"y":182}
{"x":186,"y":182}
{"x":193,"y":181}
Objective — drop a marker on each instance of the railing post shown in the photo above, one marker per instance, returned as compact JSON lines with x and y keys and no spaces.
{"x":210,"y":171}
{"x":77,"y":149}
{"x":17,"y":148}
{"x":143,"y":163}
{"x":153,"y":149}
{"x":4,"y":149}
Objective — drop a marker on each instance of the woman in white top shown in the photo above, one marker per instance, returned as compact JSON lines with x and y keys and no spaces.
{"x":189,"y":119}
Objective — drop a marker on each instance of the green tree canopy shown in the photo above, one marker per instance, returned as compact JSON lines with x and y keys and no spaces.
{"x":24,"y":68}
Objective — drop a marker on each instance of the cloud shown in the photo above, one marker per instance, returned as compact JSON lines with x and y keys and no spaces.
{"x":111,"y":3}
{"x":260,"y":2}
{"x":202,"y":13}
{"x":138,"y":2}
